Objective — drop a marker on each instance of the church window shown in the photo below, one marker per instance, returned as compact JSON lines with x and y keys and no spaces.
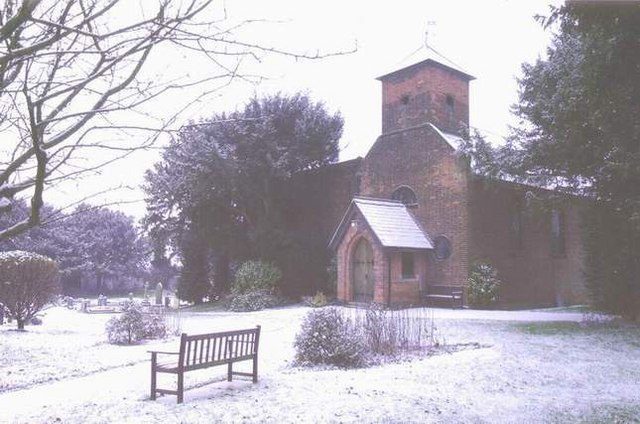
{"x":557,"y":233}
{"x":516,"y":228}
{"x":442,"y":247}
{"x":405,"y":195}
{"x":408,"y":268}
{"x":450,"y":109}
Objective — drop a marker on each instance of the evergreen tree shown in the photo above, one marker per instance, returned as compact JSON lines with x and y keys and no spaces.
{"x":226,"y":177}
{"x":579,"y":131}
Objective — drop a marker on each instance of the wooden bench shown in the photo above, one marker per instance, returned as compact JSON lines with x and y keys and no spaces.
{"x":436,"y":293}
{"x":207,"y":350}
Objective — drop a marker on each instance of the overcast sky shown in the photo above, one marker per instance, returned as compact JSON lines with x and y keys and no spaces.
{"x":490,"y":39}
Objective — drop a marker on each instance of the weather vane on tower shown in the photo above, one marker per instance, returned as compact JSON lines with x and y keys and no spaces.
{"x":426,"y":33}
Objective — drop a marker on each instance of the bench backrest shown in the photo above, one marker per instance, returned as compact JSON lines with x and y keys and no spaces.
{"x":203,"y":350}
{"x":443,"y":290}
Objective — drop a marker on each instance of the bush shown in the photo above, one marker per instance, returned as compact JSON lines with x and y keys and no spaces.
{"x":253,"y":301}
{"x":133,"y":326}
{"x":317,"y":301}
{"x":327,"y":337}
{"x":27,"y":283}
{"x":256,"y":276}
{"x":154,"y":326}
{"x":483,"y":285}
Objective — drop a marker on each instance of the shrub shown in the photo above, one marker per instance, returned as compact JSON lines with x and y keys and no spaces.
{"x":133,"y":326}
{"x":27,"y":283}
{"x":256,"y":276}
{"x":128,"y":328}
{"x":317,"y":301}
{"x":154,"y":326}
{"x":388,"y":332}
{"x":328,"y":337}
{"x":253,"y":301}
{"x":483,"y":285}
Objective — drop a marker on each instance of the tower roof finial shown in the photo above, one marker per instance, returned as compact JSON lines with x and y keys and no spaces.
{"x":426,"y":33}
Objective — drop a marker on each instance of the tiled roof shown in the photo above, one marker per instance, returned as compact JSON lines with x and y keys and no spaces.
{"x":391,"y":222}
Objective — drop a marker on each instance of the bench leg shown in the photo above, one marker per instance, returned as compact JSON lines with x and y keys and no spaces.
{"x":255,"y":368}
{"x":153,"y":376}
{"x":180,"y":387}
{"x":230,"y":371}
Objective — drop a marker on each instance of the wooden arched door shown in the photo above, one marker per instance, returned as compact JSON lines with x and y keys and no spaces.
{"x":362,"y":276}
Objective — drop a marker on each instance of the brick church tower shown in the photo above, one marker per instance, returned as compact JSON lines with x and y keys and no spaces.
{"x":425,"y":91}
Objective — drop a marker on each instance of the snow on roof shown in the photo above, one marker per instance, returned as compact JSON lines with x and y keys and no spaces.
{"x":426,"y":54}
{"x":454,"y":140}
{"x":390,"y":221}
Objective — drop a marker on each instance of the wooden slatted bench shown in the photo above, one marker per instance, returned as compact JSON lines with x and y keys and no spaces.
{"x":207,"y":350}
{"x":435,"y":293}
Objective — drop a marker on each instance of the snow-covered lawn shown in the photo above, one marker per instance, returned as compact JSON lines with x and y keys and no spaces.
{"x":535,"y":367}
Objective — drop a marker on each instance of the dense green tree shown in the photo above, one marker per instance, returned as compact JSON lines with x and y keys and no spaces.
{"x":89,"y":242}
{"x":226,"y":177}
{"x":579,"y":131}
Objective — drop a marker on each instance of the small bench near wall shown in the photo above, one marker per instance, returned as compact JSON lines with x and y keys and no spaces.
{"x":436,"y":293}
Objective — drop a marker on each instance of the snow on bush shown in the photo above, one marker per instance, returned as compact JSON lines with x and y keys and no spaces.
{"x":256,"y":275}
{"x":328,"y":337}
{"x":254,"y":287}
{"x":253,"y":301}
{"x":483,"y":285}
{"x":317,"y":301}
{"x":28,"y":282}
{"x":133,"y":325}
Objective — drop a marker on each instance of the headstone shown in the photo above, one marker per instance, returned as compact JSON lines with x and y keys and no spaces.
{"x":131,"y":296}
{"x":159,"y":294}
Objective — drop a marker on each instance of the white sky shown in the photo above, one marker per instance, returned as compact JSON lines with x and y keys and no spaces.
{"x":490,"y":39}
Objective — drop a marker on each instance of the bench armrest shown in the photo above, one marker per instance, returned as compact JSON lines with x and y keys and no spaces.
{"x":163,"y":352}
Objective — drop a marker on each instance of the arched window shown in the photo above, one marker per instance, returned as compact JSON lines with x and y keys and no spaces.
{"x":405,"y":195}
{"x":557,"y":233}
{"x":450,"y":109}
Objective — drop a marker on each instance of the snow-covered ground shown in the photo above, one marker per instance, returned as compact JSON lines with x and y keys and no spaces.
{"x":533,"y":367}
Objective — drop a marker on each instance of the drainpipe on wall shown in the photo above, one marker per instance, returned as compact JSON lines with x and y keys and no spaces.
{"x":389,"y":279}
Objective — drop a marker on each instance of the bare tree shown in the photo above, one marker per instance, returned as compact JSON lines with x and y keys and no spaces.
{"x":68,"y":67}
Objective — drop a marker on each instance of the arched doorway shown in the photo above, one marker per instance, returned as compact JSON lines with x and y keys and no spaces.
{"x":362,"y":277}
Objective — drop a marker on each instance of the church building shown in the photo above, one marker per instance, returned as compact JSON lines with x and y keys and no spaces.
{"x":411,"y":214}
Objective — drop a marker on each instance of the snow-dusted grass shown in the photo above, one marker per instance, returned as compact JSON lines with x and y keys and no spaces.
{"x":535,"y":367}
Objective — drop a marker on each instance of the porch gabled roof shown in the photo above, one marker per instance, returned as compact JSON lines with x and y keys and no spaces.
{"x":390,"y":221}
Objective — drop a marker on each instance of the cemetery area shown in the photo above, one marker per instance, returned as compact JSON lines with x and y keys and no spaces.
{"x":494,"y":366}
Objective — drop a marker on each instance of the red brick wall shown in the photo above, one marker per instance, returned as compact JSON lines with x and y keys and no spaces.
{"x":420,"y":159}
{"x":417,"y":94}
{"x":344,"y":255}
{"x":529,"y":271}
{"x":407,"y":291}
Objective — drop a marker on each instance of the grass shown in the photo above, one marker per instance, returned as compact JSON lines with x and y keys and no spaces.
{"x":631,"y":331}
{"x":613,"y":414}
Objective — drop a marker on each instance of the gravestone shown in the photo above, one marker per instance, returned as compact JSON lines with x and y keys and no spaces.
{"x":159,"y":294}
